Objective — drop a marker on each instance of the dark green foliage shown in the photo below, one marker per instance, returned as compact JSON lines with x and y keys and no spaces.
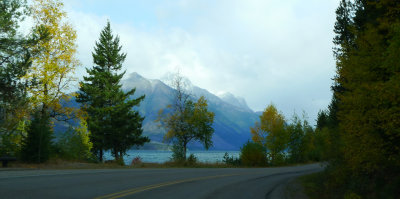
{"x":253,"y":154}
{"x":322,"y":120}
{"x":14,"y":57}
{"x":111,"y":120}
{"x":38,"y":143}
{"x":288,"y":143}
{"x":297,"y":144}
{"x":179,"y":157}
{"x":362,"y":134}
{"x":7,"y":145}
{"x":312,"y":186}
{"x":191,"y":160}
{"x":343,"y":28}
{"x":71,"y":146}
{"x":231,"y":160}
{"x":178,"y":152}
{"x":15,"y":53}
{"x":328,"y":140}
{"x":15,"y":50}
{"x":186,"y":120}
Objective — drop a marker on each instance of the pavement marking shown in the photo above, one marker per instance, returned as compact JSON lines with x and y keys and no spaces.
{"x":149,"y":187}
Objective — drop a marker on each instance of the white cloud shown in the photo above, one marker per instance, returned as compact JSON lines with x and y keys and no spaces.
{"x":266,"y":51}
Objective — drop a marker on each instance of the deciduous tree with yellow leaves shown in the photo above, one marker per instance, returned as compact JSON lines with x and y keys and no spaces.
{"x":52,"y":70}
{"x":363,"y":123}
{"x":50,"y":76}
{"x":270,"y":132}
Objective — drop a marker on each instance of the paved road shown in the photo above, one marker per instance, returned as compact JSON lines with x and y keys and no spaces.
{"x":151,"y":183}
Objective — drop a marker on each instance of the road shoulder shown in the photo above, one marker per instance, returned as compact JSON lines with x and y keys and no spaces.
{"x":295,"y":190}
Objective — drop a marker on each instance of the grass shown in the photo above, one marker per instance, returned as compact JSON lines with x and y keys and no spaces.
{"x":314,"y":187}
{"x":57,"y":163}
{"x":180,"y":165}
{"x":63,"y":164}
{"x":67,"y":164}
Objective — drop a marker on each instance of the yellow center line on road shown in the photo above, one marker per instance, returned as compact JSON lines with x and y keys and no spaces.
{"x":149,"y":187}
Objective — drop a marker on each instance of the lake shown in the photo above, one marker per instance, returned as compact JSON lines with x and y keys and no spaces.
{"x":153,"y":156}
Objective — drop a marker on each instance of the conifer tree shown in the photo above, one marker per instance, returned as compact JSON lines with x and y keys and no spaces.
{"x":112,"y":122}
{"x":366,"y":100}
{"x":16,"y":51}
{"x":37,"y":145}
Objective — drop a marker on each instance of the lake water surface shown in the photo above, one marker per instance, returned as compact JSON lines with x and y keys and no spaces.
{"x":153,"y":156}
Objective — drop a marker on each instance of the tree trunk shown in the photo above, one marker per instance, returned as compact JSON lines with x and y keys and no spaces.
{"x":184,"y":150}
{"x":116,"y":155}
{"x":101,"y":155}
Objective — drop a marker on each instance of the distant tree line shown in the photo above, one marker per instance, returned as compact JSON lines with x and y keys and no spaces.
{"x":358,"y":134}
{"x":276,"y":141}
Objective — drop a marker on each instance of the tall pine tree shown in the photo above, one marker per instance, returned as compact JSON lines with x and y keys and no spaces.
{"x":113,"y":124}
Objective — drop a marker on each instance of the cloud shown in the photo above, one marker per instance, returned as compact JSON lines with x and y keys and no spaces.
{"x":266,"y":51}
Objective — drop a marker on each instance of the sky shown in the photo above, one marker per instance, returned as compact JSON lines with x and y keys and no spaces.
{"x":266,"y":51}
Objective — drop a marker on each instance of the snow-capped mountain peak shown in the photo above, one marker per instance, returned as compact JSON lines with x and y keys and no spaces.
{"x":170,"y":79}
{"x":231,"y":123}
{"x":235,"y":101}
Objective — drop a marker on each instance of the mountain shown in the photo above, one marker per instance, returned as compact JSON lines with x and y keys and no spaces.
{"x":259,"y":113}
{"x":233,"y":118}
{"x":235,"y":101}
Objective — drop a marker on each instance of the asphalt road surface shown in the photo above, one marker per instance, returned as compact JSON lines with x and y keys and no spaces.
{"x":168,"y":183}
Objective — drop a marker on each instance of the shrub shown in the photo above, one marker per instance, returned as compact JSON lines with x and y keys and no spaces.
{"x":253,"y":154}
{"x":192,"y":160}
{"x":74,"y":145}
{"x":231,"y":160}
{"x":120,"y":161}
{"x":178,"y":154}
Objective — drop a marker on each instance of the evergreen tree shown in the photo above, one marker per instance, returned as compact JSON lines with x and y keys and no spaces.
{"x":112,"y":122}
{"x":364,"y":112}
{"x":15,"y":59}
{"x":322,"y":120}
{"x":296,"y":146}
{"x":37,"y":144}
{"x":343,"y":28}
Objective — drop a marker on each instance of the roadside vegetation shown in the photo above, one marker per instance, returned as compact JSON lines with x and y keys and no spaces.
{"x":361,"y":125}
{"x":277,"y":142}
{"x":357,"y":135}
{"x":36,"y":73}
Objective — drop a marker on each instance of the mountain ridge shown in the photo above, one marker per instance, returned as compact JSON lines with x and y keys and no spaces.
{"x":232,"y":122}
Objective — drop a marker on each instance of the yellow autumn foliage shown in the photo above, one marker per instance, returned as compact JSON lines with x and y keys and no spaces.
{"x":270,"y":132}
{"x":53,"y":68}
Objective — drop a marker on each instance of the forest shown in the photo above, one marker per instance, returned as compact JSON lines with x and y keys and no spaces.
{"x":362,"y":122}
